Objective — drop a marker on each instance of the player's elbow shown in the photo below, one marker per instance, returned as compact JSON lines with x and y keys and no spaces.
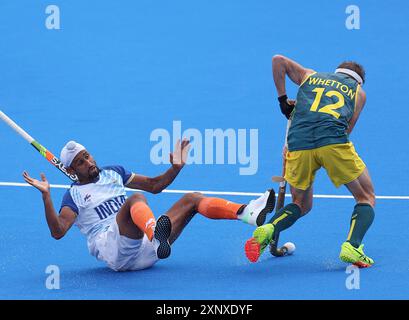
{"x":58,"y":233}
{"x":57,"y":236}
{"x":156,"y":187}
{"x":156,"y":190}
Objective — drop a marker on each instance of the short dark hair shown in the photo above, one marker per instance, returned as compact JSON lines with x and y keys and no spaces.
{"x":354,"y":66}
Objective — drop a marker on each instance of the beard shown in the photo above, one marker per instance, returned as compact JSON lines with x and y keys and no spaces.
{"x":93,"y":172}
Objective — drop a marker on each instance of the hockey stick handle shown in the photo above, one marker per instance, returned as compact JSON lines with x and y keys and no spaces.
{"x":16,"y":127}
{"x":283,"y":183}
{"x":279,"y":252}
{"x":43,"y":151}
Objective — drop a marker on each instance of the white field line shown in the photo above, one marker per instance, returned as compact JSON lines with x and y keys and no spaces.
{"x":221,"y":193}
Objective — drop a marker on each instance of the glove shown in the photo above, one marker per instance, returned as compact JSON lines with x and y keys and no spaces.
{"x":286,"y":105}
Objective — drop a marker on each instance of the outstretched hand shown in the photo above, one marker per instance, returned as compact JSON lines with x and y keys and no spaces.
{"x":42,"y":185}
{"x":179,"y":156}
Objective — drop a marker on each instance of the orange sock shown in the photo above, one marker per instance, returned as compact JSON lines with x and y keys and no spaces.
{"x":216,"y":208}
{"x":143,"y":217}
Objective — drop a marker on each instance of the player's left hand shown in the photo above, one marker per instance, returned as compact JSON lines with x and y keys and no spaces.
{"x":286,"y":105}
{"x":179,"y":156}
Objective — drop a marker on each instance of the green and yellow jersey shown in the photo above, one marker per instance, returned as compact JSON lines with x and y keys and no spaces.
{"x":325,"y":104}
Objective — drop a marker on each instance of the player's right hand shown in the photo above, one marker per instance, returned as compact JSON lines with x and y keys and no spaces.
{"x":42,"y":185}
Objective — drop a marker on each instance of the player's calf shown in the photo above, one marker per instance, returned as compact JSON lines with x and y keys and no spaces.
{"x":253,"y":213}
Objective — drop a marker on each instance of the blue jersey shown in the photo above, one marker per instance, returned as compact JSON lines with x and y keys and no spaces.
{"x":97,"y":203}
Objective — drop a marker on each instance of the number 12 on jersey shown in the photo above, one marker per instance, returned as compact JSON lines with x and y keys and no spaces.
{"x":329,"y":108}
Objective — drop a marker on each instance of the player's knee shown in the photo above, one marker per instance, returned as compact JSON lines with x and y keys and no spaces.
{"x":193,"y":198}
{"x":305,"y":209}
{"x":278,"y":58}
{"x":137,"y":197}
{"x":372,"y":199}
{"x":305,"y":206}
{"x":367,"y":197}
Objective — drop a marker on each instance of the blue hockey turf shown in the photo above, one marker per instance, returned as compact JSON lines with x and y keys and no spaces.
{"x":115,"y":72}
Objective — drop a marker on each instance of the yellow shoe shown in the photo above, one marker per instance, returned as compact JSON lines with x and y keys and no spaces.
{"x":356,"y":256}
{"x":255,"y":246}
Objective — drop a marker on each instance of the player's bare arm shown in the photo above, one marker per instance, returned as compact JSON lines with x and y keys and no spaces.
{"x":360,"y":102}
{"x":283,"y":66}
{"x":58,"y":224}
{"x":159,"y":183}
